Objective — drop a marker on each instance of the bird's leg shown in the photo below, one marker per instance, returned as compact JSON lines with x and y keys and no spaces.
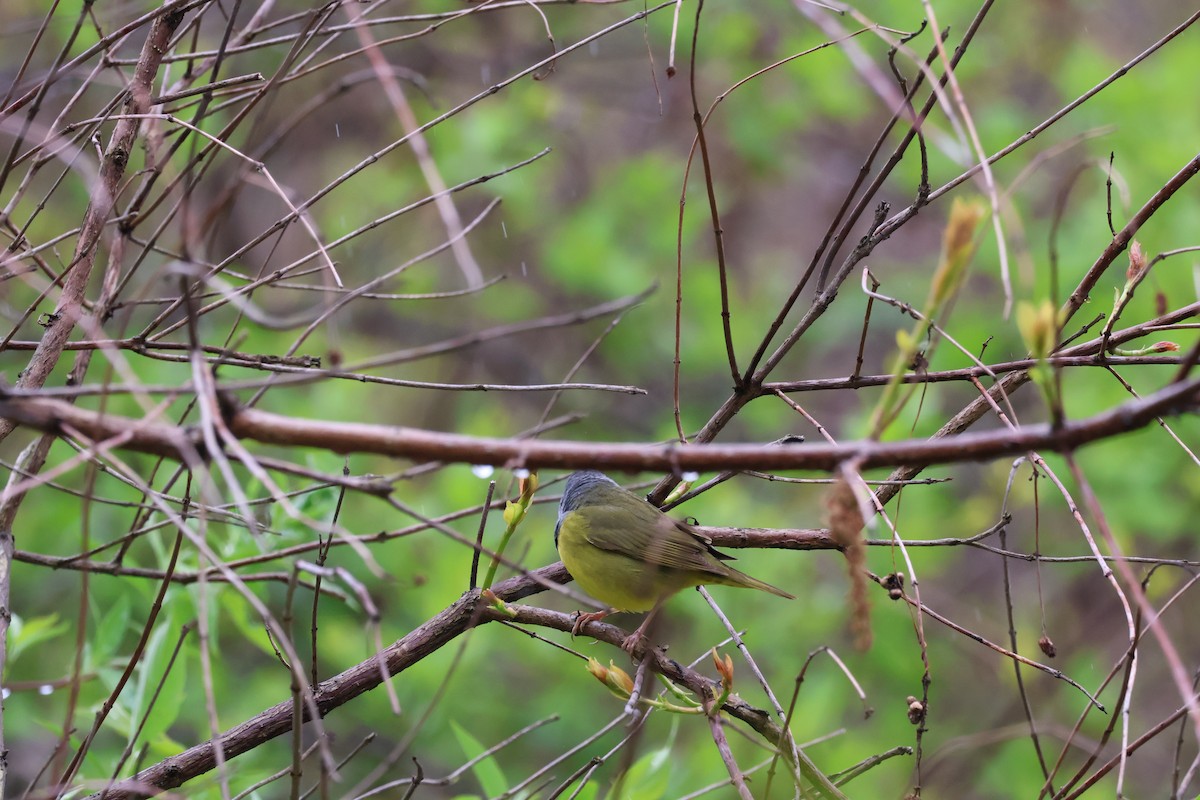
{"x":632,"y":640}
{"x":582,"y":619}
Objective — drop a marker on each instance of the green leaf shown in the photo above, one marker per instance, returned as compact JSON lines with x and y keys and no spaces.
{"x":487,"y":771}
{"x":588,"y":792}
{"x":109,"y":632}
{"x":23,"y":635}
{"x":150,"y":674}
{"x":314,"y":507}
{"x":247,"y":622}
{"x":647,"y":779}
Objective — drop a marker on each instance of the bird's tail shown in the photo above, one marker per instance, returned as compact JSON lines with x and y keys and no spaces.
{"x":737,"y":578}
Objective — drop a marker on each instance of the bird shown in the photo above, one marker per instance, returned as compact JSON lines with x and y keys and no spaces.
{"x":629,"y":555}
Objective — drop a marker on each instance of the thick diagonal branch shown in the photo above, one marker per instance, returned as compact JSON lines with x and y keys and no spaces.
{"x":104,"y":194}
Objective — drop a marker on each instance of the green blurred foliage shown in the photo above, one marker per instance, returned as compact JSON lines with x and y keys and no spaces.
{"x":595,"y":220}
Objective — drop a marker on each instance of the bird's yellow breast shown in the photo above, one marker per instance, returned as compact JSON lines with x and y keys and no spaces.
{"x":618,"y":580}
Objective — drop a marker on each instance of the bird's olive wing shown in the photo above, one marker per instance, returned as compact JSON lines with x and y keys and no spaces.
{"x":646,"y":534}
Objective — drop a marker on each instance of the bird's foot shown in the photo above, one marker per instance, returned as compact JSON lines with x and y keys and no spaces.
{"x":632,"y":641}
{"x":582,"y":619}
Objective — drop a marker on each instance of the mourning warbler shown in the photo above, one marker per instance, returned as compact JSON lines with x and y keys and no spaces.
{"x":628,"y":554}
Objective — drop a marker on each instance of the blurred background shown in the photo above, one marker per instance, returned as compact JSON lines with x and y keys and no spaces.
{"x":578,"y":234}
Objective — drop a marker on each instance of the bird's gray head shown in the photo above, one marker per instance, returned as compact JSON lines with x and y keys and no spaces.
{"x":576,"y":490}
{"x":577,"y":487}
